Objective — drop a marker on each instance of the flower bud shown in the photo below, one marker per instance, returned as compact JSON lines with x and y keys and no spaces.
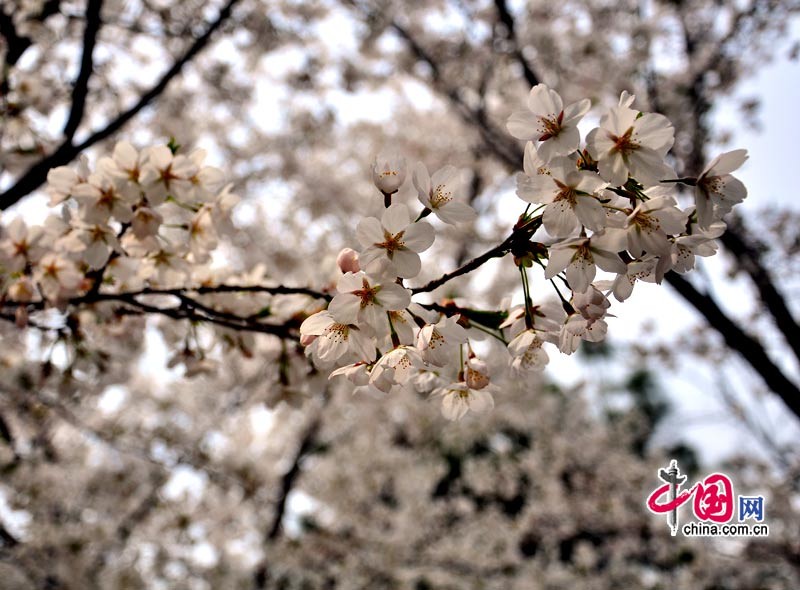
{"x":348,"y":260}
{"x":388,"y":172}
{"x":307,"y":339}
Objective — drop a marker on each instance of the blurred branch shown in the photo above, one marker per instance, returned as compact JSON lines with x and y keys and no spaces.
{"x":505,"y":16}
{"x":503,"y":147}
{"x":7,"y":538}
{"x":750,"y":349}
{"x":80,"y":89}
{"x":308,"y":441}
{"x":67,"y":151}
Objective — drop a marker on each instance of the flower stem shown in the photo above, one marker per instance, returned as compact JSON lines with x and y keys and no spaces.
{"x":527,"y":297}
{"x":395,"y":337}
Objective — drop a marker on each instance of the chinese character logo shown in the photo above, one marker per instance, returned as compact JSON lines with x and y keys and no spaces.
{"x":713,"y":502}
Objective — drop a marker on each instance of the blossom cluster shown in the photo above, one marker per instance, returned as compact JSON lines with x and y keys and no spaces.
{"x":609,"y":203}
{"x":140,"y":218}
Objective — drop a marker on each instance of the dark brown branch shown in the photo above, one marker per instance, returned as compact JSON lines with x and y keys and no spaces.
{"x":518,"y":242}
{"x":748,"y":256}
{"x":497,"y":252}
{"x":307,"y":443}
{"x":7,"y":539}
{"x":735,"y":338}
{"x":81,"y":88}
{"x":505,"y":16}
{"x":67,"y":151}
{"x":188,"y":309}
{"x":15,"y":44}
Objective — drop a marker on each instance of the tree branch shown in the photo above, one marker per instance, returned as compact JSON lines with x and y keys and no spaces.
{"x":505,"y":16}
{"x":748,"y":255}
{"x":735,"y":338}
{"x":497,"y":252}
{"x":505,"y":149}
{"x":81,"y":88}
{"x":67,"y":151}
{"x":189,"y":308}
{"x":306,"y":446}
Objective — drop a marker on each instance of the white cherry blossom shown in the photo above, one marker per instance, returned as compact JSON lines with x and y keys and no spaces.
{"x":526,"y":351}
{"x":570,"y":195}
{"x":716,"y":191}
{"x":627,"y":143}
{"x":439,"y":342}
{"x":396,"y":239}
{"x":459,"y":398}
{"x":334,"y":339}
{"x":395,"y":368}
{"x":437,"y":194}
{"x":547,"y":121}
{"x":650,"y":223}
{"x":580,"y":257}
{"x":388,"y":172}
{"x":57,"y":277}
{"x":364,"y":300}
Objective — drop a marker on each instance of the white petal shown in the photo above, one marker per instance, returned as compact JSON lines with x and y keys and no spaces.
{"x":455,"y":212}
{"x":559,"y":260}
{"x":344,"y":308}
{"x":419,"y":236}
{"x":406,"y":263}
{"x":395,"y":218}
{"x":394,"y":297}
{"x":422,"y":182}
{"x":559,"y":219}
{"x":523,"y":125}
{"x":369,"y":232}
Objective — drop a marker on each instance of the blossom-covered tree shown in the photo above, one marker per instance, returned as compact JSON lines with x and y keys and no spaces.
{"x":281,"y":275}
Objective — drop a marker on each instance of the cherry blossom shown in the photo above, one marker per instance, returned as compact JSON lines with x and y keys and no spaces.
{"x":580,"y":257}
{"x":546,"y":120}
{"x":527,"y":353}
{"x":627,"y":143}
{"x":388,"y":172}
{"x":436,"y":194}
{"x":459,"y":398}
{"x":570,"y":196}
{"x":439,"y":342}
{"x":347,"y":260}
{"x":716,"y":191}
{"x":396,"y":239}
{"x":364,"y":300}
{"x":395,"y":368}
{"x":650,"y":223}
{"x":335,"y":339}
{"x":57,"y":277}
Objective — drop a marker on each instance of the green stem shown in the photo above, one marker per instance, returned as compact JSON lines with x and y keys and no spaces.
{"x":489,"y":332}
{"x":526,"y":297}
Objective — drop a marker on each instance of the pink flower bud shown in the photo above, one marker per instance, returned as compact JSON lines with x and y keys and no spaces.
{"x":307,"y":339}
{"x":348,"y":260}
